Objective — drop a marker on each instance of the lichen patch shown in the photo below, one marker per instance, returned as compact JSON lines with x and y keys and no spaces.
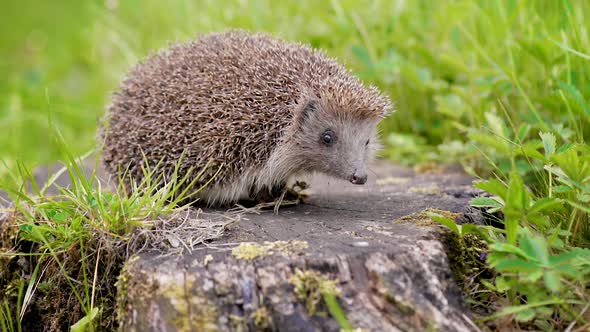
{"x":430,"y":190}
{"x":422,"y":218}
{"x":391,"y":180}
{"x":429,"y":167}
{"x":262,"y":318}
{"x":249,"y":251}
{"x":311,"y":286}
{"x":288,"y":248}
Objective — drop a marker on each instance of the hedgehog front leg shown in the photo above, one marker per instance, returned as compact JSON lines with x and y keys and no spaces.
{"x":266,"y":195}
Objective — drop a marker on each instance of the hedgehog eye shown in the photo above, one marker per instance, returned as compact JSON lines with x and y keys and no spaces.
{"x":367,"y":143}
{"x":328,"y":137}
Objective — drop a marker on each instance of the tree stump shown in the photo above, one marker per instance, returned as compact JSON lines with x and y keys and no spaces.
{"x":390,"y":271}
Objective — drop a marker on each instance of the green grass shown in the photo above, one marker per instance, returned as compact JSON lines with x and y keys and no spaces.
{"x":445,"y":64}
{"x":75,"y":240}
{"x":502,"y":86}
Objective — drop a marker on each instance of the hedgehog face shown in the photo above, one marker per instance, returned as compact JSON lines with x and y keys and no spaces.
{"x":334,"y":142}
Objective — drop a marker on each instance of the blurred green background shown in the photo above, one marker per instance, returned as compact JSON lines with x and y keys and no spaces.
{"x":446,"y":64}
{"x":500,"y":86}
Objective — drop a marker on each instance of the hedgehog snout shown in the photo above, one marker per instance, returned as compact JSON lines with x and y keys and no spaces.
{"x":358,"y":177}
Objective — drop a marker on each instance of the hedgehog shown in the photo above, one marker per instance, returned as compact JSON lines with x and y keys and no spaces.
{"x":240,"y":115}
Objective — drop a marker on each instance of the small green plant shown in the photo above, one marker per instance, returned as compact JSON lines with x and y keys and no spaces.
{"x":77,"y":239}
{"x":9,"y":323}
{"x":540,"y":254}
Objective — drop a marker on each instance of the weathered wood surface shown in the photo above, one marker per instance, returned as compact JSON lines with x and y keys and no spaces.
{"x":392,"y":276}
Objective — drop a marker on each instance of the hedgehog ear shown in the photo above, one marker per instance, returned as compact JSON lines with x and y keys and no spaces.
{"x":310,"y":107}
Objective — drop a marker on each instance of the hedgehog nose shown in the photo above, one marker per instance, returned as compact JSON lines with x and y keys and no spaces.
{"x":358,"y":178}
